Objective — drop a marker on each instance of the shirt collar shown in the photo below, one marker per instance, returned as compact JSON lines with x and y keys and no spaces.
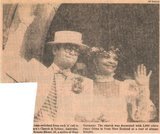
{"x":56,"y":69}
{"x":104,"y":78}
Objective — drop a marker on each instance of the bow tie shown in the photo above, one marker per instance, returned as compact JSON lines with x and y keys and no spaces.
{"x":65,"y":73}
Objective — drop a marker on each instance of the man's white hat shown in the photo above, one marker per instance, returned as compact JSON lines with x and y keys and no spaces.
{"x":71,"y":37}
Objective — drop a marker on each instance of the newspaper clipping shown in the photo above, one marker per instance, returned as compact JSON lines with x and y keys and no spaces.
{"x":96,"y":64}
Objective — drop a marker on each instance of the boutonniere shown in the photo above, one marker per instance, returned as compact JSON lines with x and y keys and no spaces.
{"x":77,"y":86}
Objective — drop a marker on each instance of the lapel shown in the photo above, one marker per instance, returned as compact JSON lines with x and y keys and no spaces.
{"x":45,"y":78}
{"x":44,"y":84}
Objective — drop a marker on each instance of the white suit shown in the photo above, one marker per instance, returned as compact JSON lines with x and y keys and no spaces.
{"x":70,"y":103}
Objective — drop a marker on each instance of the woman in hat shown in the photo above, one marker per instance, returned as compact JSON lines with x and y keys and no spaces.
{"x":116,"y":100}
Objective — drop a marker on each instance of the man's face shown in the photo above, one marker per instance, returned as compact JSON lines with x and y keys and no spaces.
{"x":66,"y":56}
{"x":107,"y":63}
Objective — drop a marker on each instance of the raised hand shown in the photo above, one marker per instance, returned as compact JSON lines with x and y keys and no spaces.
{"x":141,"y":76}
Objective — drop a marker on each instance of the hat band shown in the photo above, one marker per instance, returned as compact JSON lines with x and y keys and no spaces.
{"x":62,"y":41}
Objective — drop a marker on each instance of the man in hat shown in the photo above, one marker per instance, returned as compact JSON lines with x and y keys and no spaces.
{"x":61,"y":95}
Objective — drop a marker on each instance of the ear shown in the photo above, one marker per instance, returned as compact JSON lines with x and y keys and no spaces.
{"x":54,"y":50}
{"x":95,"y":65}
{"x":94,"y":61}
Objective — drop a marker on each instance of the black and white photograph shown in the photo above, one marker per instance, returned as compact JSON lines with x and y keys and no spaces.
{"x":93,"y":63}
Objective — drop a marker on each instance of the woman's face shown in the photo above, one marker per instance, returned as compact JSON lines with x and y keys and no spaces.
{"x":106,"y":63}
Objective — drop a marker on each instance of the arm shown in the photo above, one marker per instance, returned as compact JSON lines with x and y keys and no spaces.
{"x":15,"y":68}
{"x":142,"y":107}
{"x":24,"y":71}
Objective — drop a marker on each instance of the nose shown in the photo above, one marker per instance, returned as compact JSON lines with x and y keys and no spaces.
{"x":72,"y":52}
{"x":112,"y":62}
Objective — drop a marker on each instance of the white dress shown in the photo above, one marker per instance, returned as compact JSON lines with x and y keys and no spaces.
{"x":116,"y":101}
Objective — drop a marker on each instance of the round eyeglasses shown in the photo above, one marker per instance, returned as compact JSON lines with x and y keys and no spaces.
{"x":72,"y":50}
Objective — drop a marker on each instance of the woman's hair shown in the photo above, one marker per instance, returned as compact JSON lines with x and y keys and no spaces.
{"x":96,"y":52}
{"x":100,"y":51}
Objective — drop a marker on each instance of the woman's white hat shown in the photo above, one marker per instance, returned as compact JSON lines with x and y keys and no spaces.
{"x":71,"y":37}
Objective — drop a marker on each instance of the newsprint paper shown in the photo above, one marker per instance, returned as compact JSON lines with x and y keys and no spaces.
{"x":96,"y":63}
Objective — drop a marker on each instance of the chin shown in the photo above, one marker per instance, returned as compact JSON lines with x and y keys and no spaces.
{"x":71,"y":60}
{"x":69,"y":64}
{"x":108,"y":72}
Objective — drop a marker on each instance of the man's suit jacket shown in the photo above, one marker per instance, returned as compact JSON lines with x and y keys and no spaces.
{"x":34,"y":71}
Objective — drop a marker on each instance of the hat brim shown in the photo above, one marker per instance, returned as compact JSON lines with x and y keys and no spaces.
{"x":80,"y":45}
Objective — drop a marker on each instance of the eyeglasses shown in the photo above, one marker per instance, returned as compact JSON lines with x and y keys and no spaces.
{"x":72,"y":50}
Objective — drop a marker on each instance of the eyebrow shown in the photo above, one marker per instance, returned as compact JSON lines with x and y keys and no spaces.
{"x":69,"y":46}
{"x":108,"y":55}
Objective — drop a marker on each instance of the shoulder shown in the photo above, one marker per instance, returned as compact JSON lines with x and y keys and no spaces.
{"x":37,"y":67}
{"x":86,"y":83}
{"x":127,"y":86}
{"x":131,"y":88}
{"x":130,"y":82}
{"x":84,"y":79}
{"x":36,"y":64}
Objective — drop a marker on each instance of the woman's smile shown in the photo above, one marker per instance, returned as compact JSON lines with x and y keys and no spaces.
{"x":113,"y":65}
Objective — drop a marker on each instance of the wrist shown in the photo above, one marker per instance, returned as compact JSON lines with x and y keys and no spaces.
{"x":144,"y":92}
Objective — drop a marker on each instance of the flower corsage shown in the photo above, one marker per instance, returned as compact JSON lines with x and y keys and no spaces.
{"x":77,"y":86}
